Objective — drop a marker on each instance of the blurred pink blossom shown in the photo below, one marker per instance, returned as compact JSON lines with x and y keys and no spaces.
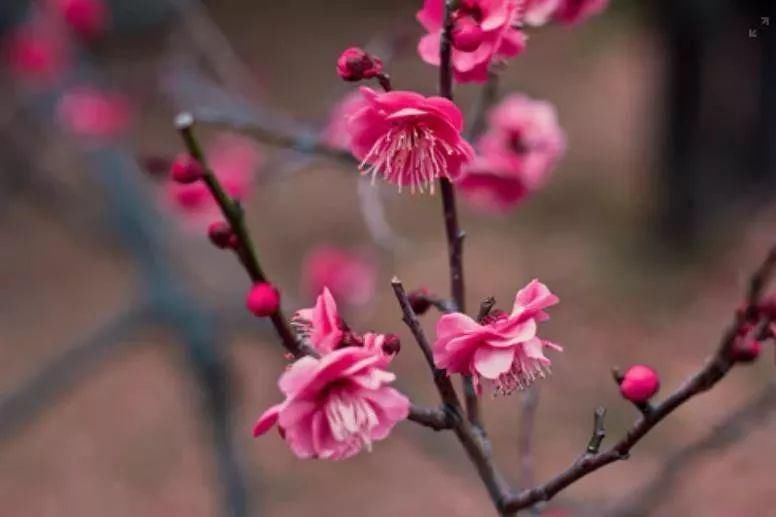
{"x":336,"y":405}
{"x":539,"y":12}
{"x":336,"y":133}
{"x":88,"y":18}
{"x":497,"y":38}
{"x":409,"y":139}
{"x":37,"y":52}
{"x":92,"y":113}
{"x":504,"y":349}
{"x":519,"y":149}
{"x":234,"y":159}
{"x":350,"y":275}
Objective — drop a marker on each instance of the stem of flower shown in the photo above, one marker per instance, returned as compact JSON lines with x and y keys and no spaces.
{"x":234,"y":215}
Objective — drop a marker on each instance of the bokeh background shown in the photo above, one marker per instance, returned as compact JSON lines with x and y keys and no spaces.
{"x":131,"y":376}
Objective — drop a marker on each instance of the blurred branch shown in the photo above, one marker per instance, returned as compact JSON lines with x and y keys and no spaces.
{"x":485,"y":99}
{"x":725,"y":434}
{"x":529,"y":402}
{"x":18,"y":408}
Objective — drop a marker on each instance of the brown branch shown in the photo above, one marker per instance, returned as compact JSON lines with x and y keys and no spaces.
{"x":711,"y":373}
{"x":235,"y":216}
{"x":731,"y":430}
{"x":470,"y":394}
{"x":441,"y":379}
{"x":436,"y":419}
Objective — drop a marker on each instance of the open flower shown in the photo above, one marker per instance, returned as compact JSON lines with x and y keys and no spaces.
{"x":325,"y":331}
{"x":504,"y":349}
{"x":483,"y":32}
{"x":409,"y":139}
{"x":539,"y":12}
{"x":336,"y":405}
{"x":350,"y":275}
{"x":519,"y":149}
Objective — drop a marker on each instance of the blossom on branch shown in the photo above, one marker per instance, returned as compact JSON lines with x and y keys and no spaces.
{"x":409,"y":139}
{"x":93,"y":113}
{"x":335,"y":406}
{"x":483,"y":33}
{"x":325,"y":331}
{"x":517,"y":152}
{"x":504,"y":349}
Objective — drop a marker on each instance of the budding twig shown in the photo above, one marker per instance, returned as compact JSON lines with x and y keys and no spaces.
{"x":712,"y":372}
{"x":599,"y":433}
{"x":234,"y":215}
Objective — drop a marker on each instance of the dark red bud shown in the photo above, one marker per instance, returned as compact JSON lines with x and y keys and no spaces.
{"x":221,"y":235}
{"x":391,"y":345}
{"x":185,"y":169}
{"x":419,"y":301}
{"x":355,"y":64}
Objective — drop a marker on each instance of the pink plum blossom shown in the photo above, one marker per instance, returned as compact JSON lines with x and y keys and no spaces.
{"x":474,"y":50}
{"x":92,"y":113}
{"x":350,"y":275}
{"x":324,"y":330}
{"x":336,"y":133}
{"x":539,"y":12}
{"x":519,"y":149}
{"x":336,"y":405}
{"x":409,"y":139}
{"x":504,"y":350}
{"x":234,"y":160}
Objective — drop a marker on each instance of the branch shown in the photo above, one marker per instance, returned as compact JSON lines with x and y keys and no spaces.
{"x":711,"y":373}
{"x":436,"y":419}
{"x":235,"y":216}
{"x":441,"y":379}
{"x":731,"y":430}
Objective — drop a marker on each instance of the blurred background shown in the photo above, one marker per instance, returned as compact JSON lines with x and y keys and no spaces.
{"x":131,"y":374}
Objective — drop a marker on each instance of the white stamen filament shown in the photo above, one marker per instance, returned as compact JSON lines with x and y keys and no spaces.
{"x":351,"y":419}
{"x":409,"y":154}
{"x":523,"y":373}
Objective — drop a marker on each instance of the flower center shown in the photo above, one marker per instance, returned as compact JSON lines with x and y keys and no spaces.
{"x":409,"y":154}
{"x":524,"y":371}
{"x":351,"y":419}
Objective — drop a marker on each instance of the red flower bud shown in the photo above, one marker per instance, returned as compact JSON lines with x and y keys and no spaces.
{"x":221,"y":235}
{"x":639,"y":383}
{"x":354,"y":64}
{"x":185,"y":169}
{"x":391,"y":345}
{"x":467,"y":34}
{"x":263,"y":299}
{"x":745,"y":349}
{"x":419,"y":301}
{"x":89,"y":18}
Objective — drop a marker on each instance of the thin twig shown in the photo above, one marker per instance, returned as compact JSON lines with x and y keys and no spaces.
{"x":711,"y":373}
{"x":436,"y":419}
{"x":235,"y":216}
{"x":728,"y":432}
{"x":529,"y":404}
{"x":599,"y":432}
{"x":441,"y":379}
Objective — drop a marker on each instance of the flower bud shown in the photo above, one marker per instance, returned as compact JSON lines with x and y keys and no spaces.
{"x":263,"y":299}
{"x":89,"y":18}
{"x":185,"y":169}
{"x":354,"y":64}
{"x":745,"y":349}
{"x":221,"y":235}
{"x":639,"y":383}
{"x":419,"y":301}
{"x":467,"y":34}
{"x":391,"y":345}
